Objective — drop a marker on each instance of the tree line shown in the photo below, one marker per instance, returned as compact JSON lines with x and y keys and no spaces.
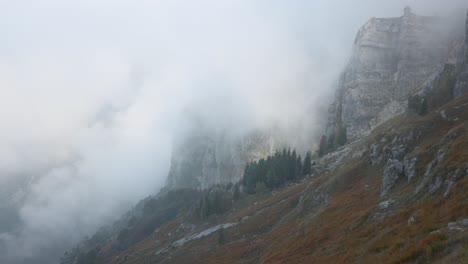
{"x":259,"y":177}
{"x":332,"y":142}
{"x":275,"y":170}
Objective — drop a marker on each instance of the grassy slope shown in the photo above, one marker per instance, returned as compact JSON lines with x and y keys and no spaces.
{"x":347,"y":227}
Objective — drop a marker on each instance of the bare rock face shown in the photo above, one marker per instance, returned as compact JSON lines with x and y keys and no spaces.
{"x":466,"y":38}
{"x":392,"y":172}
{"x":391,"y":58}
{"x":204,"y":158}
{"x":461,"y":85}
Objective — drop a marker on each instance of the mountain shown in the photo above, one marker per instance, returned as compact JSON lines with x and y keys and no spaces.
{"x":392,"y":58}
{"x":395,"y":192}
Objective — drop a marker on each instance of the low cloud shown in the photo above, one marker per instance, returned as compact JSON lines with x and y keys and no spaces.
{"x":92,"y":93}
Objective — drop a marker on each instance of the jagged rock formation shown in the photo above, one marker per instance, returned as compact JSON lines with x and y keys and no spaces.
{"x":206,"y":158}
{"x":392,"y":57}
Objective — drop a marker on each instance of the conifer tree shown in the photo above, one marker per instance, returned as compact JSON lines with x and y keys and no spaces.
{"x":307,"y":166}
{"x":299,"y":166}
{"x":323,"y":146}
{"x":331,"y":143}
{"x":341,"y":138}
{"x":423,"y":107}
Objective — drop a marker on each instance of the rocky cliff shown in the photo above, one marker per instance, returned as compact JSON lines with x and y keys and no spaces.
{"x":461,"y":85}
{"x":205,"y":158}
{"x":392,"y":57}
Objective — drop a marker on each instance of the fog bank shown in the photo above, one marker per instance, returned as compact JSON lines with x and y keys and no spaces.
{"x":91,"y":93}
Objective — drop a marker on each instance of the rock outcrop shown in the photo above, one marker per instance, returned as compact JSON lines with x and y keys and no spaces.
{"x":392,"y":172}
{"x":392,"y":57}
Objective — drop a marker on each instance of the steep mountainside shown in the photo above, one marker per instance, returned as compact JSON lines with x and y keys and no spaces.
{"x":392,"y":57}
{"x":397,"y":194}
{"x":461,"y":85}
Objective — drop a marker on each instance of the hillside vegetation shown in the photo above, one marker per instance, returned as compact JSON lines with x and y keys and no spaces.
{"x":395,"y":196}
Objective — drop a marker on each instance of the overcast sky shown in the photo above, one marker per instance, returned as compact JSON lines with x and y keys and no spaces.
{"x":91,"y":92}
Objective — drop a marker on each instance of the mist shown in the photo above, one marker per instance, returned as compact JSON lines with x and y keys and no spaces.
{"x":92,"y":94}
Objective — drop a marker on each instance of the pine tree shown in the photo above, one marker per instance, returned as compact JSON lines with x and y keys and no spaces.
{"x":273,"y":180}
{"x":298,"y":166}
{"x":331,"y":143}
{"x":260,"y":188}
{"x":423,"y":107}
{"x":250,"y":178}
{"x":307,"y":167}
{"x":323,"y":146}
{"x":341,"y":138}
{"x":293,"y":165}
{"x":245,"y":176}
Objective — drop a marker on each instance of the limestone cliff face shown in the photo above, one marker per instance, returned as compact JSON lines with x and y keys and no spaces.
{"x":466,"y":38}
{"x":391,"y":58}
{"x":206,"y":158}
{"x":461,"y":85}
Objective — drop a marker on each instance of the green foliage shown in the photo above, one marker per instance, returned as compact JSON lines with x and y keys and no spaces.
{"x":156,"y":211}
{"x":250,"y":177}
{"x":323,"y":148}
{"x":261,"y":188}
{"x":298,"y":164}
{"x":341,"y":137}
{"x":274,"y":171}
{"x":423,"y":107}
{"x":136,"y":225}
{"x":331,"y":143}
{"x":442,"y":91}
{"x":216,"y":200}
{"x":307,"y":167}
{"x":418,"y":104}
{"x":272,"y":178}
{"x":335,"y":140}
{"x":90,"y":257}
